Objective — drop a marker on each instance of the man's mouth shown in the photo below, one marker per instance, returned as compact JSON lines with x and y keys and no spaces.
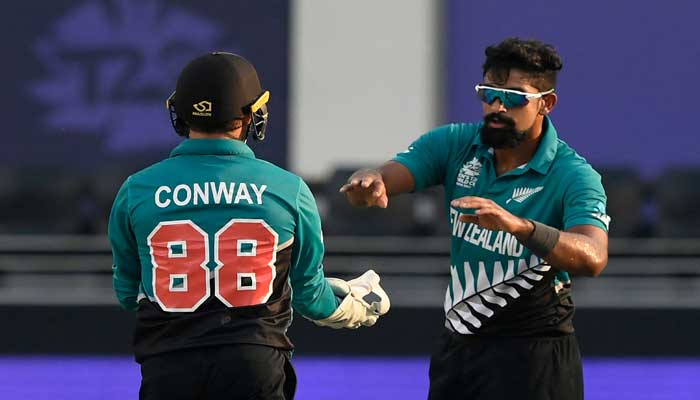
{"x":497,"y":124}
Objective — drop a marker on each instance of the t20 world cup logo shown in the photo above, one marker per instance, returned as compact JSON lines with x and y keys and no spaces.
{"x":109,"y":66}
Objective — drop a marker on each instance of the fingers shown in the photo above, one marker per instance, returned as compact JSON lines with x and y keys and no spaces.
{"x":363,"y":179}
{"x":367,"y":181}
{"x":474,"y":219}
{"x":470,"y":202}
{"x":382,"y":202}
{"x":382,"y":306}
{"x":379,"y":197}
{"x":370,"y":320}
{"x":366,"y":189}
{"x":376,"y":186}
{"x":483,"y":211}
{"x":350,"y":185}
{"x":369,"y":283}
{"x":473,"y":203}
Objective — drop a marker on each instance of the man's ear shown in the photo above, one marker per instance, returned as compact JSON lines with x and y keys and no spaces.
{"x":550,"y":101}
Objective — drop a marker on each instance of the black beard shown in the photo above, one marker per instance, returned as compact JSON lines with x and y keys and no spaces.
{"x":501,"y":138}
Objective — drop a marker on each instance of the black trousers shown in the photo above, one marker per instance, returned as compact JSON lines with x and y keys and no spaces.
{"x":220,"y":372}
{"x":507,"y":368}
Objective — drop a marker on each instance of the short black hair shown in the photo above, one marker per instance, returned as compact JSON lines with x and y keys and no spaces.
{"x":540,"y":60}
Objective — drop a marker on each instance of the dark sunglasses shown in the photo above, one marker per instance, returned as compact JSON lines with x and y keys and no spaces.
{"x":509,"y":98}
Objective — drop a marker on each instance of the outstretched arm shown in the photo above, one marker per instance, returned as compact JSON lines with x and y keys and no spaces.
{"x":312,"y":297}
{"x":420,"y":166}
{"x":326,"y":301}
{"x":372,"y":187}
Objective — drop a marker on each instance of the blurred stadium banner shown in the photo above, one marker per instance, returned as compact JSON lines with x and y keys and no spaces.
{"x":91,"y":77}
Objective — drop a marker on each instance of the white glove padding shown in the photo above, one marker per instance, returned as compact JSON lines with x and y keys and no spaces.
{"x":351,"y":313}
{"x":354,"y":311}
{"x":360,"y":287}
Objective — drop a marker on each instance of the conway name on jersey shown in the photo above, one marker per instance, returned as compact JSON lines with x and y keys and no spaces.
{"x":207,"y":245}
{"x":497,"y":285}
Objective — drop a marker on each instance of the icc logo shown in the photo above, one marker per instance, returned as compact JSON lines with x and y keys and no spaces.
{"x":109,"y":64}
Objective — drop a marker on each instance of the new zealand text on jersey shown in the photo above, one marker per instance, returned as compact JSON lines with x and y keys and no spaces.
{"x":496,"y":241}
{"x":204,"y":193}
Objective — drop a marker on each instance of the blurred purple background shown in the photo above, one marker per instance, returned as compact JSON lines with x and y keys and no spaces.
{"x":108,"y":378}
{"x":88,"y":80}
{"x":630,"y":72}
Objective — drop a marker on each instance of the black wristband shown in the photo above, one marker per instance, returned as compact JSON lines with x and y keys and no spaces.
{"x":542,"y":240}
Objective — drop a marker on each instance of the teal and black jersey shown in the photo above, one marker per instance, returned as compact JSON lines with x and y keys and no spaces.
{"x":497,"y":286}
{"x":208,"y":246}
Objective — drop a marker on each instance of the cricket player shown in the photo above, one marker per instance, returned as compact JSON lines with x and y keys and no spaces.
{"x":213,"y":248}
{"x":526,"y":213}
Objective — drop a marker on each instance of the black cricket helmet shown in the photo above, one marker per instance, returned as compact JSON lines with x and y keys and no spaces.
{"x":217,"y":88}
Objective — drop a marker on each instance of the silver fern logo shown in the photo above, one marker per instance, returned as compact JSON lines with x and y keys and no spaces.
{"x":473,"y":300}
{"x":521,"y":194}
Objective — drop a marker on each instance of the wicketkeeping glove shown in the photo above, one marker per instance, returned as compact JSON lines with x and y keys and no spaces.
{"x":353,"y":310}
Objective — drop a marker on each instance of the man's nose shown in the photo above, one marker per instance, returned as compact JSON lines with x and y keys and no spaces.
{"x":496,"y":106}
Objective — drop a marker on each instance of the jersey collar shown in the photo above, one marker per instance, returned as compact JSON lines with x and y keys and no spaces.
{"x":217,"y":147}
{"x":546,"y":151}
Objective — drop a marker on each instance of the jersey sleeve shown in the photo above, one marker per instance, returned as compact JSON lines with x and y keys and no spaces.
{"x":427,"y":158}
{"x":126,"y":267}
{"x":311,"y":294}
{"x":585,"y":200}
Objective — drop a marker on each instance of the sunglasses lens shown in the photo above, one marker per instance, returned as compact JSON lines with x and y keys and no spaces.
{"x":514,"y":100}
{"x":508,"y":99}
{"x":487,"y":95}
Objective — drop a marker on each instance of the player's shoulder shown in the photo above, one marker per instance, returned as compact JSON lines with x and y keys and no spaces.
{"x":571,"y":166}
{"x":462,"y":131}
{"x":261,"y":167}
{"x":277,"y":172}
{"x":280,"y":180}
{"x":151,"y":171}
{"x":452,"y":136}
